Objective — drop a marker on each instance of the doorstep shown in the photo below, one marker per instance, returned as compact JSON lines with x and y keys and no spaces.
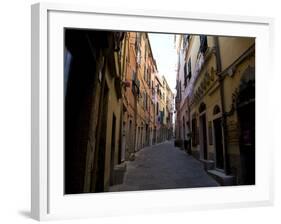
{"x":208,"y":164}
{"x":222,"y":178}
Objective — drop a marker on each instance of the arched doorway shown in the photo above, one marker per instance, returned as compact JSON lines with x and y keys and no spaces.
{"x":246,"y":117}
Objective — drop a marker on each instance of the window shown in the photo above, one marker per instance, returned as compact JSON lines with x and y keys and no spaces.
{"x":216,"y":110}
{"x":189,"y":69}
{"x":133,"y":81}
{"x":138,"y":40}
{"x":203,"y":43}
{"x":187,"y":72}
{"x":145,"y":53}
{"x":185,"y":75}
{"x":157,"y":108}
{"x":180,"y":91}
{"x":185,"y":40}
{"x":144,"y":100}
{"x":161,"y":116}
{"x":145,"y":73}
{"x":135,"y":84}
{"x":138,"y":57}
{"x":177,"y":95}
{"x":133,"y":75}
{"x":202,"y":107}
{"x":148,"y":76}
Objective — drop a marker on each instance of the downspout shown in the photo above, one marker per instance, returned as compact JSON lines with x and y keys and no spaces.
{"x":136,"y":109}
{"x":224,"y":117}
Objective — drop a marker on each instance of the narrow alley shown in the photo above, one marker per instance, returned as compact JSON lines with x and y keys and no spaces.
{"x":163,"y":166}
{"x":147,"y":111}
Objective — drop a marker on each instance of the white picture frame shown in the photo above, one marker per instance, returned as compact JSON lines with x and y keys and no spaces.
{"x":48,"y":201}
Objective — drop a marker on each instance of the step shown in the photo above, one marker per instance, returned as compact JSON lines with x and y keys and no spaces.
{"x":208,"y":164}
{"x":222,"y":178}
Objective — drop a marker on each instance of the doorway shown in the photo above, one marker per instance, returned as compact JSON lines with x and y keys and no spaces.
{"x":203,"y":130}
{"x":112,"y":154}
{"x":246,"y":116}
{"x":247,"y":143}
{"x":218,"y":143}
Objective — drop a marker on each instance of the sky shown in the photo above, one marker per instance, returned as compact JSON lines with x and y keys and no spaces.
{"x":164,"y":53}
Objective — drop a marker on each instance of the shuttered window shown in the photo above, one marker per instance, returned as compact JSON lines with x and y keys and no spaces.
{"x":203,"y":43}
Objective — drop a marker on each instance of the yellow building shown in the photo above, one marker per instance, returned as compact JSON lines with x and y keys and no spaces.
{"x":152,"y":70}
{"x":130,"y":95}
{"x":140,"y":126}
{"x":146,"y":68}
{"x":215,"y":102}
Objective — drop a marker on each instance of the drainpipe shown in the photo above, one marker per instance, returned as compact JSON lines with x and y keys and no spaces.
{"x":224,"y":125}
{"x":136,"y":109}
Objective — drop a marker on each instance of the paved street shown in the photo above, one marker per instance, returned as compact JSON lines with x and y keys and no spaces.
{"x":164,"y":166}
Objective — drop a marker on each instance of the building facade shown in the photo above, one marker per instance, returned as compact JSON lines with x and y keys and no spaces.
{"x":168,"y":110}
{"x":215,"y":104}
{"x":93,"y":89}
{"x":110,"y":108}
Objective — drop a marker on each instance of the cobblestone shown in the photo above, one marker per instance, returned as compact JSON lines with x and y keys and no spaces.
{"x":164,"y":166}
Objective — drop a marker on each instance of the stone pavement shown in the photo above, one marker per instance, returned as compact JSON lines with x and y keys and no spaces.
{"x":163,"y":166}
